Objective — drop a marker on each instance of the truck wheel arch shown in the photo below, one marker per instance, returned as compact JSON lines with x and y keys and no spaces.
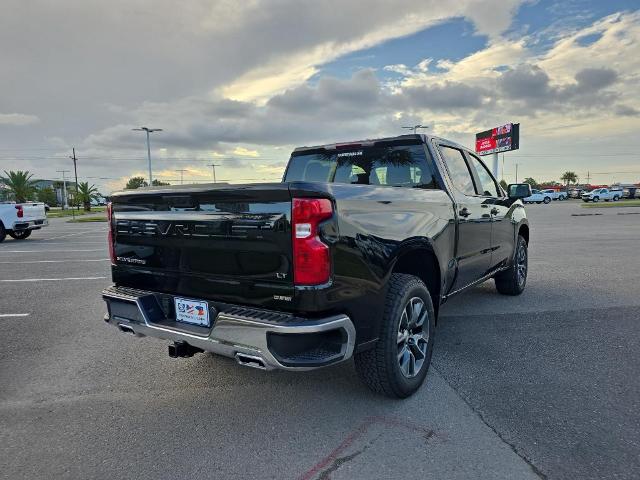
{"x":523,"y":230}
{"x":422,"y":263}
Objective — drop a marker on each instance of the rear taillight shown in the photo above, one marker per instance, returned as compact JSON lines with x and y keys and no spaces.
{"x":20,"y":212}
{"x":311,"y":260}
{"x":112,"y":252}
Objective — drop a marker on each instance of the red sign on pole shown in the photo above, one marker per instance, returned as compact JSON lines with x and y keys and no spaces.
{"x":500,"y":139}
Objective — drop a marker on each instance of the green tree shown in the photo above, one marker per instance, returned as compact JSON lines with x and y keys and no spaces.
{"x":136,"y":182}
{"x":531,"y":182}
{"x":73,"y":199}
{"x":569,"y":177}
{"x":158,"y":183}
{"x":87,"y":193}
{"x":48,"y":196}
{"x":20,"y":185}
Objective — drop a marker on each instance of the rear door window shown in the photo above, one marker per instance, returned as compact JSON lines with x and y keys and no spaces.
{"x":487,"y":185}
{"x":458,"y":170}
{"x":390,"y":165}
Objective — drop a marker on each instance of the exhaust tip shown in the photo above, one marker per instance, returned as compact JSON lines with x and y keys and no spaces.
{"x":126,"y":329}
{"x":252,"y":361}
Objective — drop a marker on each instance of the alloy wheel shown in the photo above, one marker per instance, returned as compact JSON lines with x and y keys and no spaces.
{"x":521,"y":263}
{"x":413,"y":337}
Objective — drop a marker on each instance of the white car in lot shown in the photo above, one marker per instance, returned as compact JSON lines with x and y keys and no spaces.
{"x":537,"y":196}
{"x":18,"y":220}
{"x":554,"y":194}
{"x":601,"y":194}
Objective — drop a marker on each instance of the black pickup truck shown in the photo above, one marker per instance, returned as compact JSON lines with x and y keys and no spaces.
{"x":350,"y":256}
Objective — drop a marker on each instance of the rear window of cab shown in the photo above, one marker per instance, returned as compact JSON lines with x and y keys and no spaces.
{"x":390,"y":165}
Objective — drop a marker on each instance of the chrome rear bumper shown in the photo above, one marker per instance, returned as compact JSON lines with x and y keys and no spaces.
{"x":30,"y":224}
{"x":254,"y":337}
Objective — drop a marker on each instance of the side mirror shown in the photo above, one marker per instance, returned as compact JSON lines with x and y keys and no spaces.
{"x":518,"y":190}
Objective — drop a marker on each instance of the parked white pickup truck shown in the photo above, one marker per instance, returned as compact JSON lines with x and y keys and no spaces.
{"x":554,"y":194}
{"x":538,"y":197}
{"x":601,"y":194}
{"x":18,"y":220}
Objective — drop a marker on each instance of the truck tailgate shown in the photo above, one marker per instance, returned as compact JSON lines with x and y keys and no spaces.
{"x":33,"y":211}
{"x":228,"y":243}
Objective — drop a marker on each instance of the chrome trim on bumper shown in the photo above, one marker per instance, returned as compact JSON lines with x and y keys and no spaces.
{"x":232,"y":333}
{"x":30,"y":224}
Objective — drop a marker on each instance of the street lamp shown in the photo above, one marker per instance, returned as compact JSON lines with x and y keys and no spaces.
{"x":213,"y":166}
{"x":148,"y":130}
{"x":415,"y":128}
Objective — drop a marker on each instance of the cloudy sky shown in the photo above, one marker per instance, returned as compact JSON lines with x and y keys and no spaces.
{"x":240,"y":83}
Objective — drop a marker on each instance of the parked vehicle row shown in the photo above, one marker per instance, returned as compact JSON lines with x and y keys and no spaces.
{"x":545,"y":196}
{"x":537,"y":197}
{"x":594,"y":195}
{"x":602,"y":194}
{"x":555,"y":194}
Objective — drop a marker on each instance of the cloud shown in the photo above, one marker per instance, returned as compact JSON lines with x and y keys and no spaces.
{"x":594,"y":79}
{"x":532,"y":85}
{"x":244,"y":152}
{"x":18,"y":119}
{"x":227,"y":78}
{"x":626,"y":111}
{"x":337,"y":97}
{"x":445,"y":96}
{"x":325,"y":31}
{"x":525,"y":81}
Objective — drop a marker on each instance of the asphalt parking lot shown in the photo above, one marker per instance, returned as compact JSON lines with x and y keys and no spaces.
{"x":544,"y":385}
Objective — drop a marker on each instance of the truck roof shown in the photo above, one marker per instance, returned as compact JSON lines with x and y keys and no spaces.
{"x":372,"y":141}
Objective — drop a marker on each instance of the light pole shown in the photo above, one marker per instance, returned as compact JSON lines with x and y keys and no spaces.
{"x":415,"y":128}
{"x":75,"y":170}
{"x":213,"y":166}
{"x":182,"y":170}
{"x":64,"y":188}
{"x":148,"y":130}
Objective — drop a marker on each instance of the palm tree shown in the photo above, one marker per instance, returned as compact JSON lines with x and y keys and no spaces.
{"x":20,"y":184}
{"x":85,"y":194}
{"x":569,"y":177}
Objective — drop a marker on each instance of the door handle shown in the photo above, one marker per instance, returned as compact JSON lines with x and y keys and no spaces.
{"x":494,"y":211}
{"x":464,"y":212}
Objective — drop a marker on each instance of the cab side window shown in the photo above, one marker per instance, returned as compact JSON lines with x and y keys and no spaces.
{"x":487,"y":187}
{"x":458,"y":170}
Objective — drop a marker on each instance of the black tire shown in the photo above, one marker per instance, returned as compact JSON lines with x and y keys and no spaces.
{"x":3,"y":233}
{"x":381,"y":368}
{"x":616,"y":198}
{"x":547,"y":200}
{"x":513,"y":280}
{"x":595,"y":199}
{"x":21,"y":235}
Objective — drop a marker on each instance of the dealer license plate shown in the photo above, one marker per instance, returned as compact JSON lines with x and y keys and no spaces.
{"x":192,"y":311}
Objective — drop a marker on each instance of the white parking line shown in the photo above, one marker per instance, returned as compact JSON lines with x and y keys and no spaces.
{"x":70,"y":242}
{"x":52,"y":279}
{"x":71,"y":234}
{"x":57,"y":261}
{"x":5,"y":315}
{"x":50,"y":251}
